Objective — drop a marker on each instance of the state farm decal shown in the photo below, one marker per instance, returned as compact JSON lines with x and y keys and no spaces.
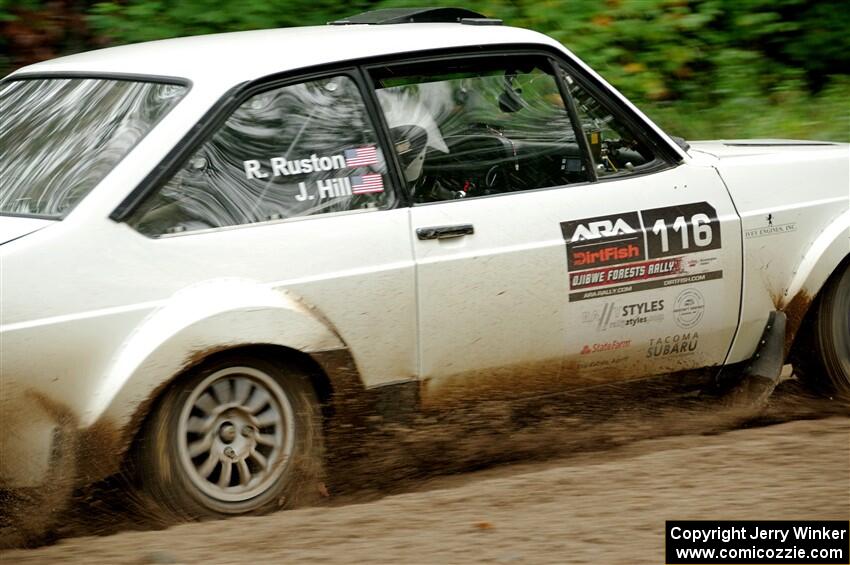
{"x":606,"y":346}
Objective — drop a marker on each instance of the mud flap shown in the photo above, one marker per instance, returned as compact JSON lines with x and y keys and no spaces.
{"x":762,"y":373}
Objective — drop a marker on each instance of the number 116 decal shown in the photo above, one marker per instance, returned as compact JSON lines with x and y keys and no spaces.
{"x":676,"y":230}
{"x":631,"y":249}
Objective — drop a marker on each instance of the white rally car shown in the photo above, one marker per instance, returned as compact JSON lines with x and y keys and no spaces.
{"x":212,"y":244}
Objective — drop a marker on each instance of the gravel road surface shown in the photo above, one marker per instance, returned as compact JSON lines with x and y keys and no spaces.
{"x":605,"y":505}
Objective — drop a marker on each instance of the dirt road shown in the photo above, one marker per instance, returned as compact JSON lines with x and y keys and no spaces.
{"x":595,"y":506}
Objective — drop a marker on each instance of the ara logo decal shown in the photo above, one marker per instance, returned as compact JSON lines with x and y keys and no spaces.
{"x":601,"y":228}
{"x":602,"y":241}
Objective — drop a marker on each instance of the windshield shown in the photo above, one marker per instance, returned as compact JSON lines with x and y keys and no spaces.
{"x":60,"y":137}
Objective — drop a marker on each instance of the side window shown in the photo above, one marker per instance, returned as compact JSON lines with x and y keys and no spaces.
{"x":615,"y":150}
{"x":295,"y":151}
{"x":478,"y":127}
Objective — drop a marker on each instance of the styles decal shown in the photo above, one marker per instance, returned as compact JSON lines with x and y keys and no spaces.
{"x":615,"y":315}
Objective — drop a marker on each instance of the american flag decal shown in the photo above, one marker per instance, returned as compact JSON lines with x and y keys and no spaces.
{"x":361,"y":156}
{"x":367,"y":184}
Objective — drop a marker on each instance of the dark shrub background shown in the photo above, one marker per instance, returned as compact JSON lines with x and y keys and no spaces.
{"x":701,"y":68}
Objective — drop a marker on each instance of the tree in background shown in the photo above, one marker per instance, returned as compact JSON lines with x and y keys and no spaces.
{"x":32,"y":31}
{"x":719,"y":68}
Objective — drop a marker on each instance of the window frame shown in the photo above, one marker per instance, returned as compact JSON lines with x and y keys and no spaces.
{"x":483,"y":54}
{"x":665,"y":155}
{"x":358,"y":70}
{"x":218,"y":115}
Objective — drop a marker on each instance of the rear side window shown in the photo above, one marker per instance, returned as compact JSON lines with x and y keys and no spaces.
{"x":59,"y":137}
{"x":295,"y":151}
{"x":478,"y":127}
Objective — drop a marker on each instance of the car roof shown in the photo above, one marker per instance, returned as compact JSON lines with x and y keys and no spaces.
{"x":232,"y":58}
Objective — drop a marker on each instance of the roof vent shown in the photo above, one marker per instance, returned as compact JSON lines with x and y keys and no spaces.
{"x":418,"y":16}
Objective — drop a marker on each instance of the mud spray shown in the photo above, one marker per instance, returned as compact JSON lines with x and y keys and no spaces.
{"x":367,"y":462}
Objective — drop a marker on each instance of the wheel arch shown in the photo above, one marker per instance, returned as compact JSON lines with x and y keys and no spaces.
{"x":799,"y":344}
{"x":828,"y":254}
{"x":304,"y":362}
{"x":118,"y":441}
{"x":825,"y":254}
{"x":187,"y":332}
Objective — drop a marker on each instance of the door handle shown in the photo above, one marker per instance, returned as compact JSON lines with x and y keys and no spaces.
{"x":445,"y":232}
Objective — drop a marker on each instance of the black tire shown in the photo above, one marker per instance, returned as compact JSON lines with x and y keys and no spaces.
{"x":236,"y":435}
{"x":831,"y":336}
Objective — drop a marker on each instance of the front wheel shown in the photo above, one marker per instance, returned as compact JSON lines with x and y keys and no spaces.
{"x":831,"y":331}
{"x":237,"y":435}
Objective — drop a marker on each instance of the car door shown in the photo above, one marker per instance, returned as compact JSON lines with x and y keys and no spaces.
{"x":653,"y":252}
{"x":515,"y":225}
{"x":479,"y":156}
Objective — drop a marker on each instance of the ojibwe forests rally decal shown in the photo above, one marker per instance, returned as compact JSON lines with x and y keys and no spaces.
{"x":633,"y":251}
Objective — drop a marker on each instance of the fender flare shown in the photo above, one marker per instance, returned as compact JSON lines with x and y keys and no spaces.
{"x":194,"y":323}
{"x":822,"y":258}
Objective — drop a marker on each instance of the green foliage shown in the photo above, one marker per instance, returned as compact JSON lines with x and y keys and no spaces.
{"x":702,"y":68}
{"x":793,"y":114}
{"x":132,"y":21}
{"x":708,"y":68}
{"x":5,"y":16}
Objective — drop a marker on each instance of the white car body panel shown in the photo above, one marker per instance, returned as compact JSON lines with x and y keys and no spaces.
{"x":13,"y":228}
{"x":509,"y":278}
{"x":805,"y":188}
{"x":220,"y":61}
{"x":87,"y":350}
{"x":149,"y":328}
